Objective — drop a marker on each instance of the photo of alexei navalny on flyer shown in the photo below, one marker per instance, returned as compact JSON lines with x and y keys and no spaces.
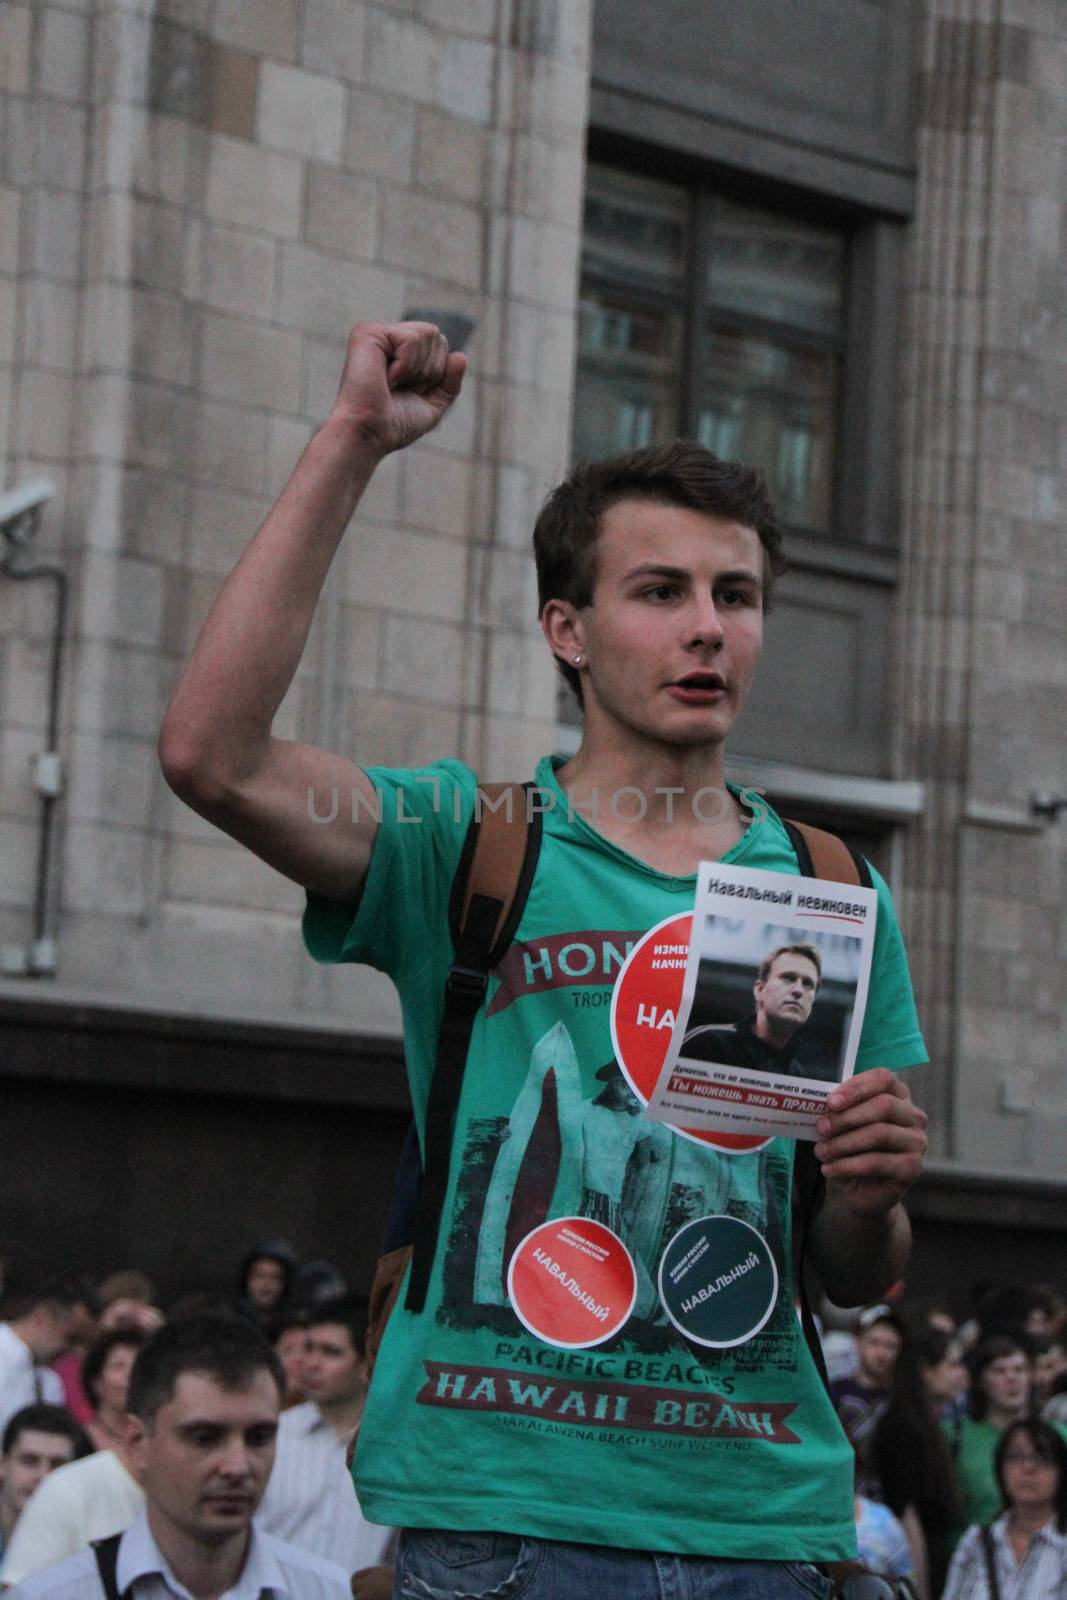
{"x":772,"y":1007}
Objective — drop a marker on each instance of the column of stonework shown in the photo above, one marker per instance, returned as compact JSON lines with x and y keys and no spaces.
{"x":225,"y":189}
{"x":983,"y":660}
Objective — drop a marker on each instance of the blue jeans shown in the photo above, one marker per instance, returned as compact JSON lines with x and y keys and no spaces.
{"x":500,"y":1566}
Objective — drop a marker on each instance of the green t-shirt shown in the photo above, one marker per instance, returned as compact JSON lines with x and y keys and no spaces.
{"x":974,"y":1468}
{"x":494,"y":1408}
{"x":974,"y":1444}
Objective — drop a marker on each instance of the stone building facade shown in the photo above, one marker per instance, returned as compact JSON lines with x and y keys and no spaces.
{"x":197,"y":199}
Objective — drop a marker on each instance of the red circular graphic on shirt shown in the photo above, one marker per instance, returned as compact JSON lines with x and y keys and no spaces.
{"x":572,"y":1282}
{"x":644,"y":1005}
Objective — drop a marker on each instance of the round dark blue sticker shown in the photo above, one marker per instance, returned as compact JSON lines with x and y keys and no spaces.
{"x":718,"y":1281}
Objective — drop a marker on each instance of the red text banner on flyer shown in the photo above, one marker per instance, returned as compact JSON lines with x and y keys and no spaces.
{"x":771,"y":1012}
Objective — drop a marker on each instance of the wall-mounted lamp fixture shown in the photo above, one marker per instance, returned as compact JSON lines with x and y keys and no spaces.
{"x":1048,"y":806}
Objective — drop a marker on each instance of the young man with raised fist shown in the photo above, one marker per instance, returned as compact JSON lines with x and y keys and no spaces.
{"x":558,"y":1420}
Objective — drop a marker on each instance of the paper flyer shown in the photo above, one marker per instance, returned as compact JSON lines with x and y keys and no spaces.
{"x":772,"y":1003}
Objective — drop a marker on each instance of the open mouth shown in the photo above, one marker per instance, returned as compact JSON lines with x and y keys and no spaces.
{"x":698,"y":688}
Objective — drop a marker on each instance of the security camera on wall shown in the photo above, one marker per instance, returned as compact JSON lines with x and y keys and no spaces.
{"x":20,"y":507}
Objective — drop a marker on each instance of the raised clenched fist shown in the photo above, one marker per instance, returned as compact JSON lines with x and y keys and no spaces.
{"x":398,"y":381}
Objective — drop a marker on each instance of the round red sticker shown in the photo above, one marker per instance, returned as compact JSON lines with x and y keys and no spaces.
{"x":572,"y":1282}
{"x":644,"y":1005}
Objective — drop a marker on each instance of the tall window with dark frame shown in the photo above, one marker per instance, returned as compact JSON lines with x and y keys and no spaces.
{"x":718,"y":321}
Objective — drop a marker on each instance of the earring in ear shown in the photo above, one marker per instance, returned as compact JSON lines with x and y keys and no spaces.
{"x":577,"y":661}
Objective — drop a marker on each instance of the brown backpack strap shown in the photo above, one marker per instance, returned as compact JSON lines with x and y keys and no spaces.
{"x":823,"y":855}
{"x":489,"y":892}
{"x":498,"y":846}
{"x":384,"y":1291}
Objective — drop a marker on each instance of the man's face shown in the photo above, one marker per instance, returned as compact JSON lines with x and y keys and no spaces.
{"x":1049,"y":1365}
{"x":674,"y":632}
{"x":1006,"y":1382}
{"x":878,"y":1348}
{"x":32,"y":1457}
{"x":49,"y":1330}
{"x":786,"y":995}
{"x":291,"y":1348}
{"x":265,"y":1283}
{"x":333,"y":1368}
{"x":205,"y":1458}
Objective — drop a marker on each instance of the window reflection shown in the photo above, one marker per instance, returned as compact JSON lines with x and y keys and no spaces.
{"x":774,"y":404}
{"x":630,"y":313}
{"x":768,"y":348}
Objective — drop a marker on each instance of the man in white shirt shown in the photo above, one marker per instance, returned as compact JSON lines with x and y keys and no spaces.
{"x":36,"y":1441}
{"x":311,"y":1498}
{"x":37,"y":1333}
{"x":204,"y":1400}
{"x":85,"y":1500}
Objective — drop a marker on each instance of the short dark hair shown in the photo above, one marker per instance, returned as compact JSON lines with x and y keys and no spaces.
{"x":993,"y":1348}
{"x":808,"y":951}
{"x":295,"y":1317}
{"x":1046,"y":1442}
{"x":347,"y":1311}
{"x":226,"y":1347}
{"x":932,"y":1345}
{"x":61,"y":1294}
{"x":680,"y":473}
{"x":98,"y":1352}
{"x":43,"y":1418}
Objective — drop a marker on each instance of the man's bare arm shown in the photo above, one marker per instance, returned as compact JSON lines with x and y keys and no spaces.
{"x":216,"y":746}
{"x":871,"y":1146}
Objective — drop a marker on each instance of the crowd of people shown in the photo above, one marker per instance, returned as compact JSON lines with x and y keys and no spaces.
{"x":959,"y":1432}
{"x":960,"y":1437}
{"x":217,"y":1432}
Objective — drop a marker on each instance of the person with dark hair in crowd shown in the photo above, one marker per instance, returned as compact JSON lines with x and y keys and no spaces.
{"x":1049,"y":1357}
{"x":289,"y":1336}
{"x":264,"y":1281}
{"x":311,"y":1498}
{"x":1000,"y":1395}
{"x":315,"y":1282}
{"x":203,"y":1401}
{"x":106,"y":1376}
{"x":943,"y":1372}
{"x":36,"y":1441}
{"x":41,"y":1327}
{"x":88,"y":1499}
{"x":862,"y":1396}
{"x":1022,"y":1555}
{"x":909,"y":1460}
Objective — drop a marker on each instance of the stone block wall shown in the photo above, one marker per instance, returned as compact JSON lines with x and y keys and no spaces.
{"x":197,"y":201}
{"x":982,"y":644}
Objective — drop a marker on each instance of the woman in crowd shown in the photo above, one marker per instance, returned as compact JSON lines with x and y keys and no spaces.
{"x":106,"y":1376}
{"x":909,"y":1457}
{"x":943,"y":1372}
{"x":1023,"y":1555}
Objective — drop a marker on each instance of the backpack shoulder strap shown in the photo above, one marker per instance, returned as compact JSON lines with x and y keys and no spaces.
{"x":106,"y":1552}
{"x":990,"y":1554}
{"x":823,"y":855}
{"x":489,"y":891}
{"x":819,"y":855}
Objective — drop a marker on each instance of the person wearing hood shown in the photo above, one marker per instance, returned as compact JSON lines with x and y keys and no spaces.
{"x":264,"y":1281}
